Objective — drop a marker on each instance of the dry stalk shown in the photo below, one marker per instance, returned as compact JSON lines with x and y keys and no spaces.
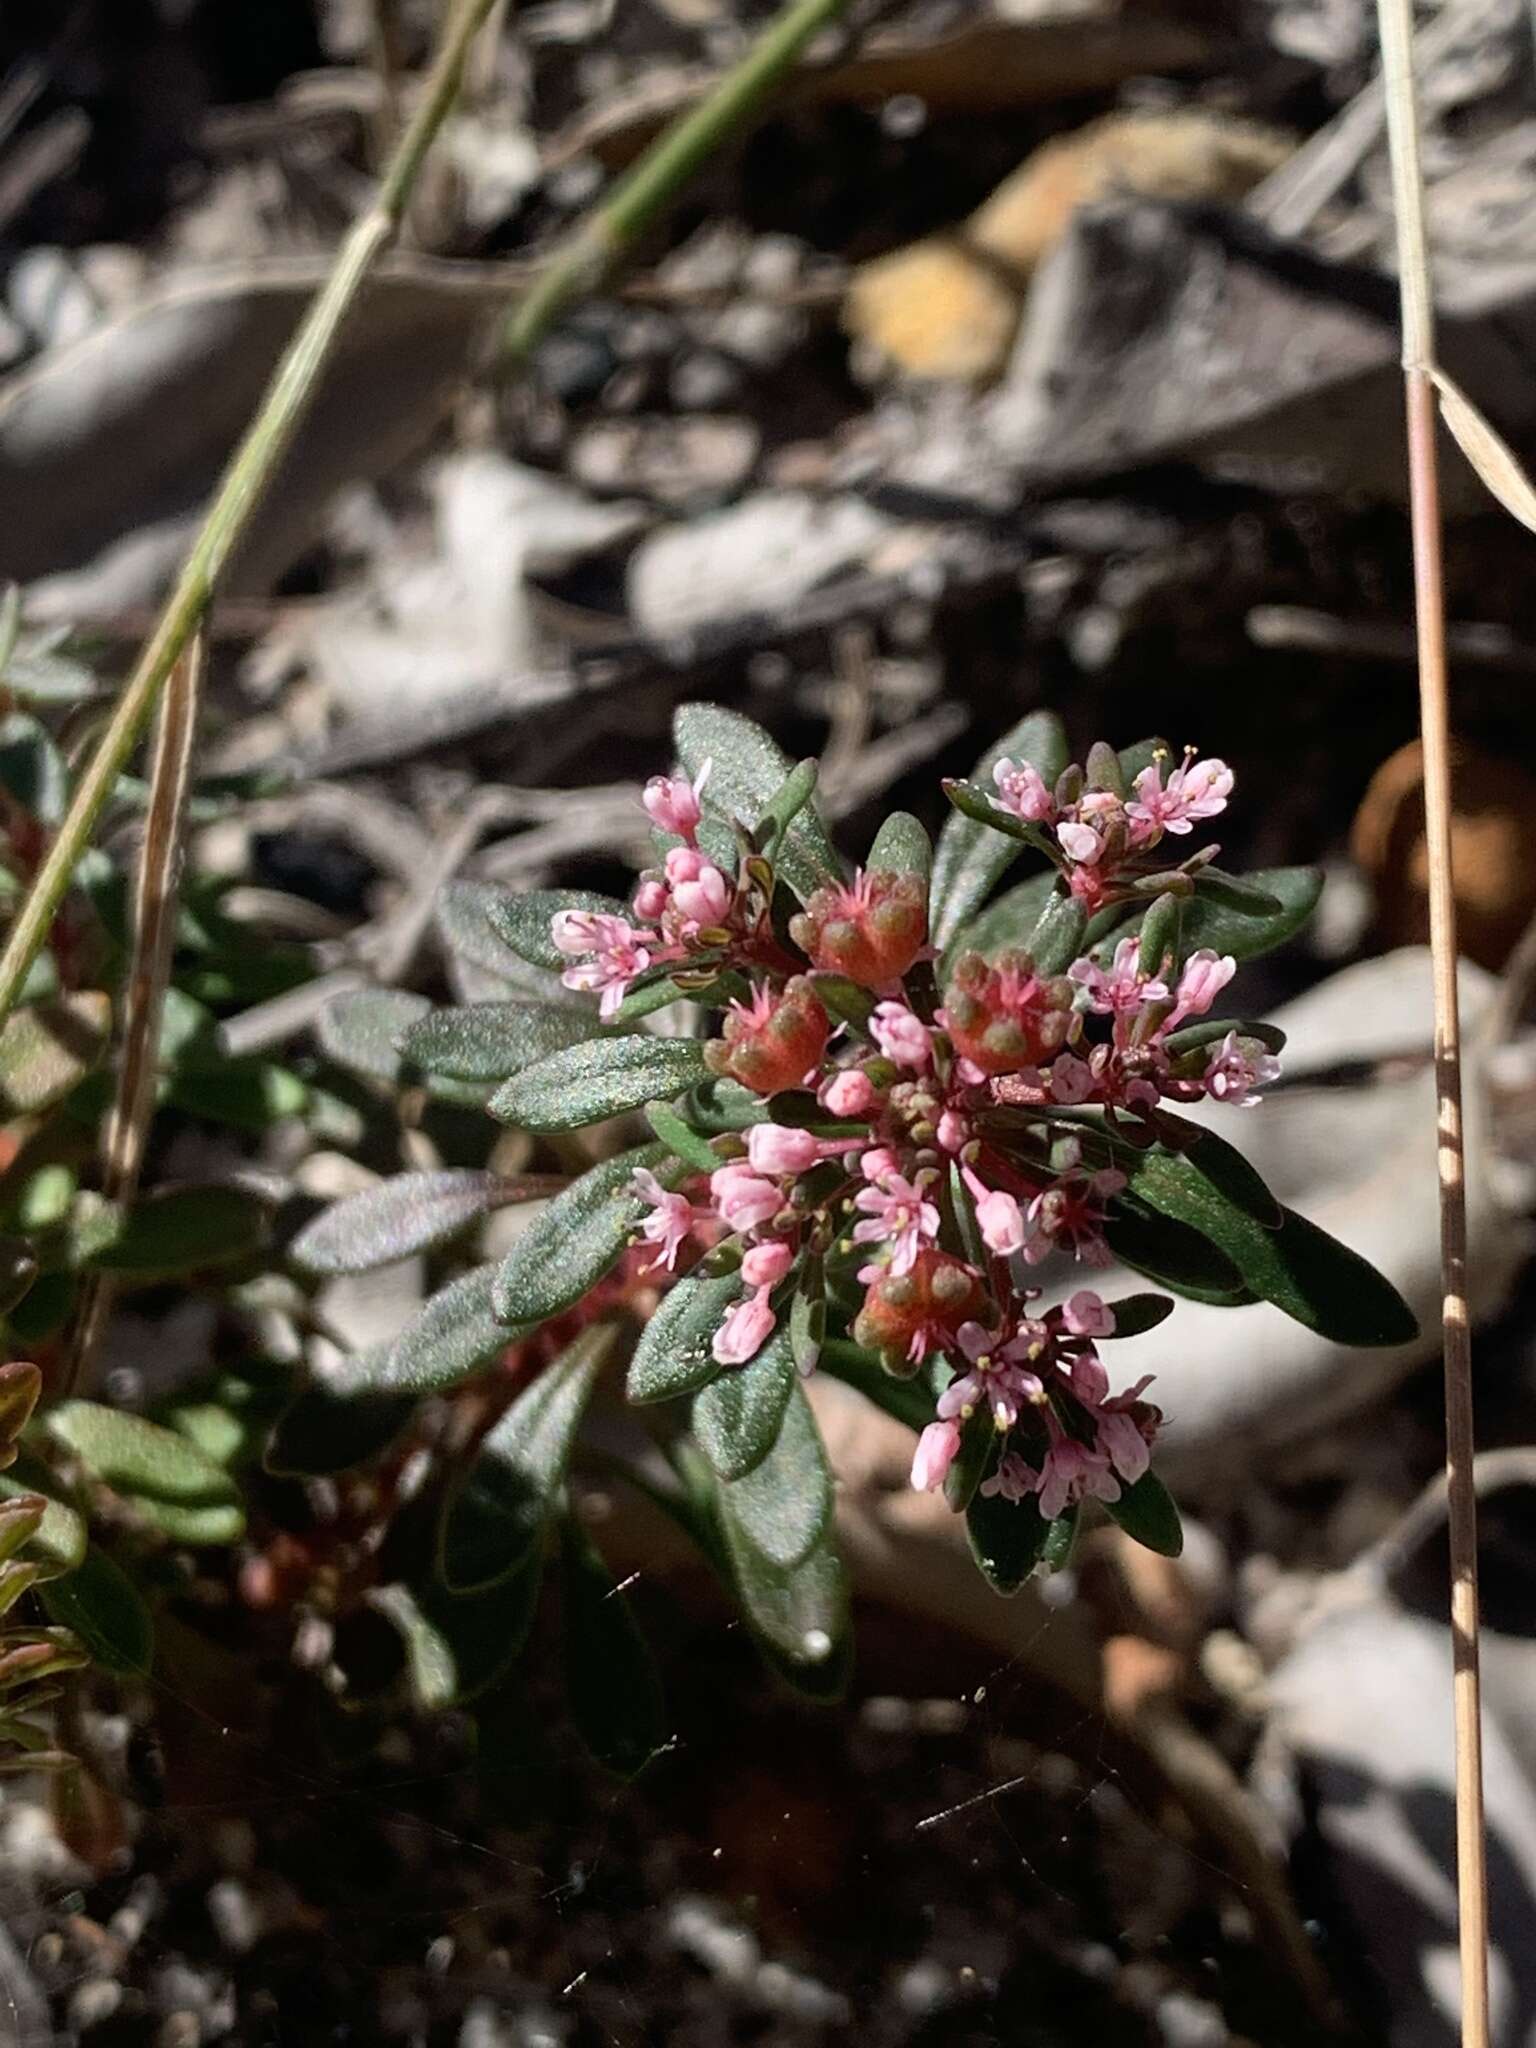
{"x":1396,"y":25}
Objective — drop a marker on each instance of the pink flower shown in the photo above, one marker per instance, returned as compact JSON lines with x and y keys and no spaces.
{"x":669,"y":1222}
{"x":1090,"y":1382}
{"x":1124,"y":989}
{"x":1205,"y":975}
{"x":1013,"y":1479}
{"x":849,"y":1092}
{"x":895,"y":1213}
{"x":1072,"y":1472}
{"x":700,"y":893}
{"x":879,"y":1163}
{"x":1232,"y":1074}
{"x":1023,"y":790}
{"x":745,"y":1330}
{"x":780,"y":1148}
{"x":619,"y":952}
{"x":1123,"y":1443}
{"x":1085,"y":1315}
{"x":742,"y":1200}
{"x":766,"y":1264}
{"x":1195,"y":790}
{"x":1071,"y":1079}
{"x":1069,"y":1216}
{"x":673,"y":802}
{"x":954,"y":1132}
{"x":998,"y":1217}
{"x":651,"y":899}
{"x":902,"y":1036}
{"x":935,"y":1453}
{"x":1080,"y":842}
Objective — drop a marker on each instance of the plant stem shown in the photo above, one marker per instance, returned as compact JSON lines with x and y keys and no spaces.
{"x":245,"y":480}
{"x":156,"y":900}
{"x":610,"y":230}
{"x":1396,"y":25}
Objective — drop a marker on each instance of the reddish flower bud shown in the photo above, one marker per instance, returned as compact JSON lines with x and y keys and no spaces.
{"x":773,"y":1042}
{"x":871,"y":931}
{"x":1003,"y":1017}
{"x":907,"y":1315}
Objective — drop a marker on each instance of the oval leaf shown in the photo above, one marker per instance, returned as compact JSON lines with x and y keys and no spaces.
{"x":611,"y":1684}
{"x":325,"y":1430}
{"x":176,"y":1486}
{"x":524,"y":922}
{"x":971,"y":857}
{"x":1147,"y":1514}
{"x":413,"y":1212}
{"x":58,"y":1543}
{"x":504,"y":1502}
{"x":748,"y":771}
{"x":573,"y":1242}
{"x":584,"y":1084}
{"x":456,"y":1333}
{"x":46,"y":1048}
{"x":736,"y":1419}
{"x":901,"y":847}
{"x":799,"y":1616}
{"x":182,"y":1230}
{"x":104,"y":1608}
{"x":362,"y":1030}
{"x":673,"y":1355}
{"x":1007,"y":1539}
{"x":493,"y":1041}
{"x":784,"y":1505}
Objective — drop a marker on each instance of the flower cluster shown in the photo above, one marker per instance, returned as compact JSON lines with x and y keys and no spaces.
{"x":913,"y":1142}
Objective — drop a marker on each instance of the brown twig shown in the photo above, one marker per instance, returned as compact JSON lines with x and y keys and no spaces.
{"x":156,"y":897}
{"x":1396,"y":25}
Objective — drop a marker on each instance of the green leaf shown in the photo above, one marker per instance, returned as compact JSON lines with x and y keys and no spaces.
{"x":47,"y":1048}
{"x":611,"y":1684}
{"x":971,"y":857}
{"x":785,"y":805}
{"x":59,"y":1542}
{"x":647,"y":997}
{"x":1007,"y":1539}
{"x":104,"y":1608}
{"x":1301,"y":1269}
{"x":1147,"y":1513}
{"x":807,"y":1327}
{"x":1211,"y":1030}
{"x":1060,"y":1541}
{"x":571,"y":1244}
{"x":1222,"y":929}
{"x":784,"y":1505}
{"x":978,"y":1453}
{"x":1057,"y":939}
{"x":1174,"y":1255}
{"x":181,"y":1230}
{"x":32,"y":769}
{"x":413,"y":1212}
{"x":1135,"y":1314}
{"x":736,"y":1418}
{"x":908,"y":1401}
{"x":456,"y":1333}
{"x":748,"y":773}
{"x":362,"y":1030}
{"x":1212,"y":1161}
{"x":501,"y":1507}
{"x":457,"y":1647}
{"x":524,"y":922}
{"x":1010,"y":921}
{"x":325,"y":1429}
{"x":799,"y":1616}
{"x":244,"y":1094}
{"x":1231,"y":892}
{"x":585,"y":1084}
{"x":680,"y":1139}
{"x":179,"y":1489}
{"x":463,"y":919}
{"x":901,"y":847}
{"x":493,"y":1041}
{"x":673,"y":1355}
